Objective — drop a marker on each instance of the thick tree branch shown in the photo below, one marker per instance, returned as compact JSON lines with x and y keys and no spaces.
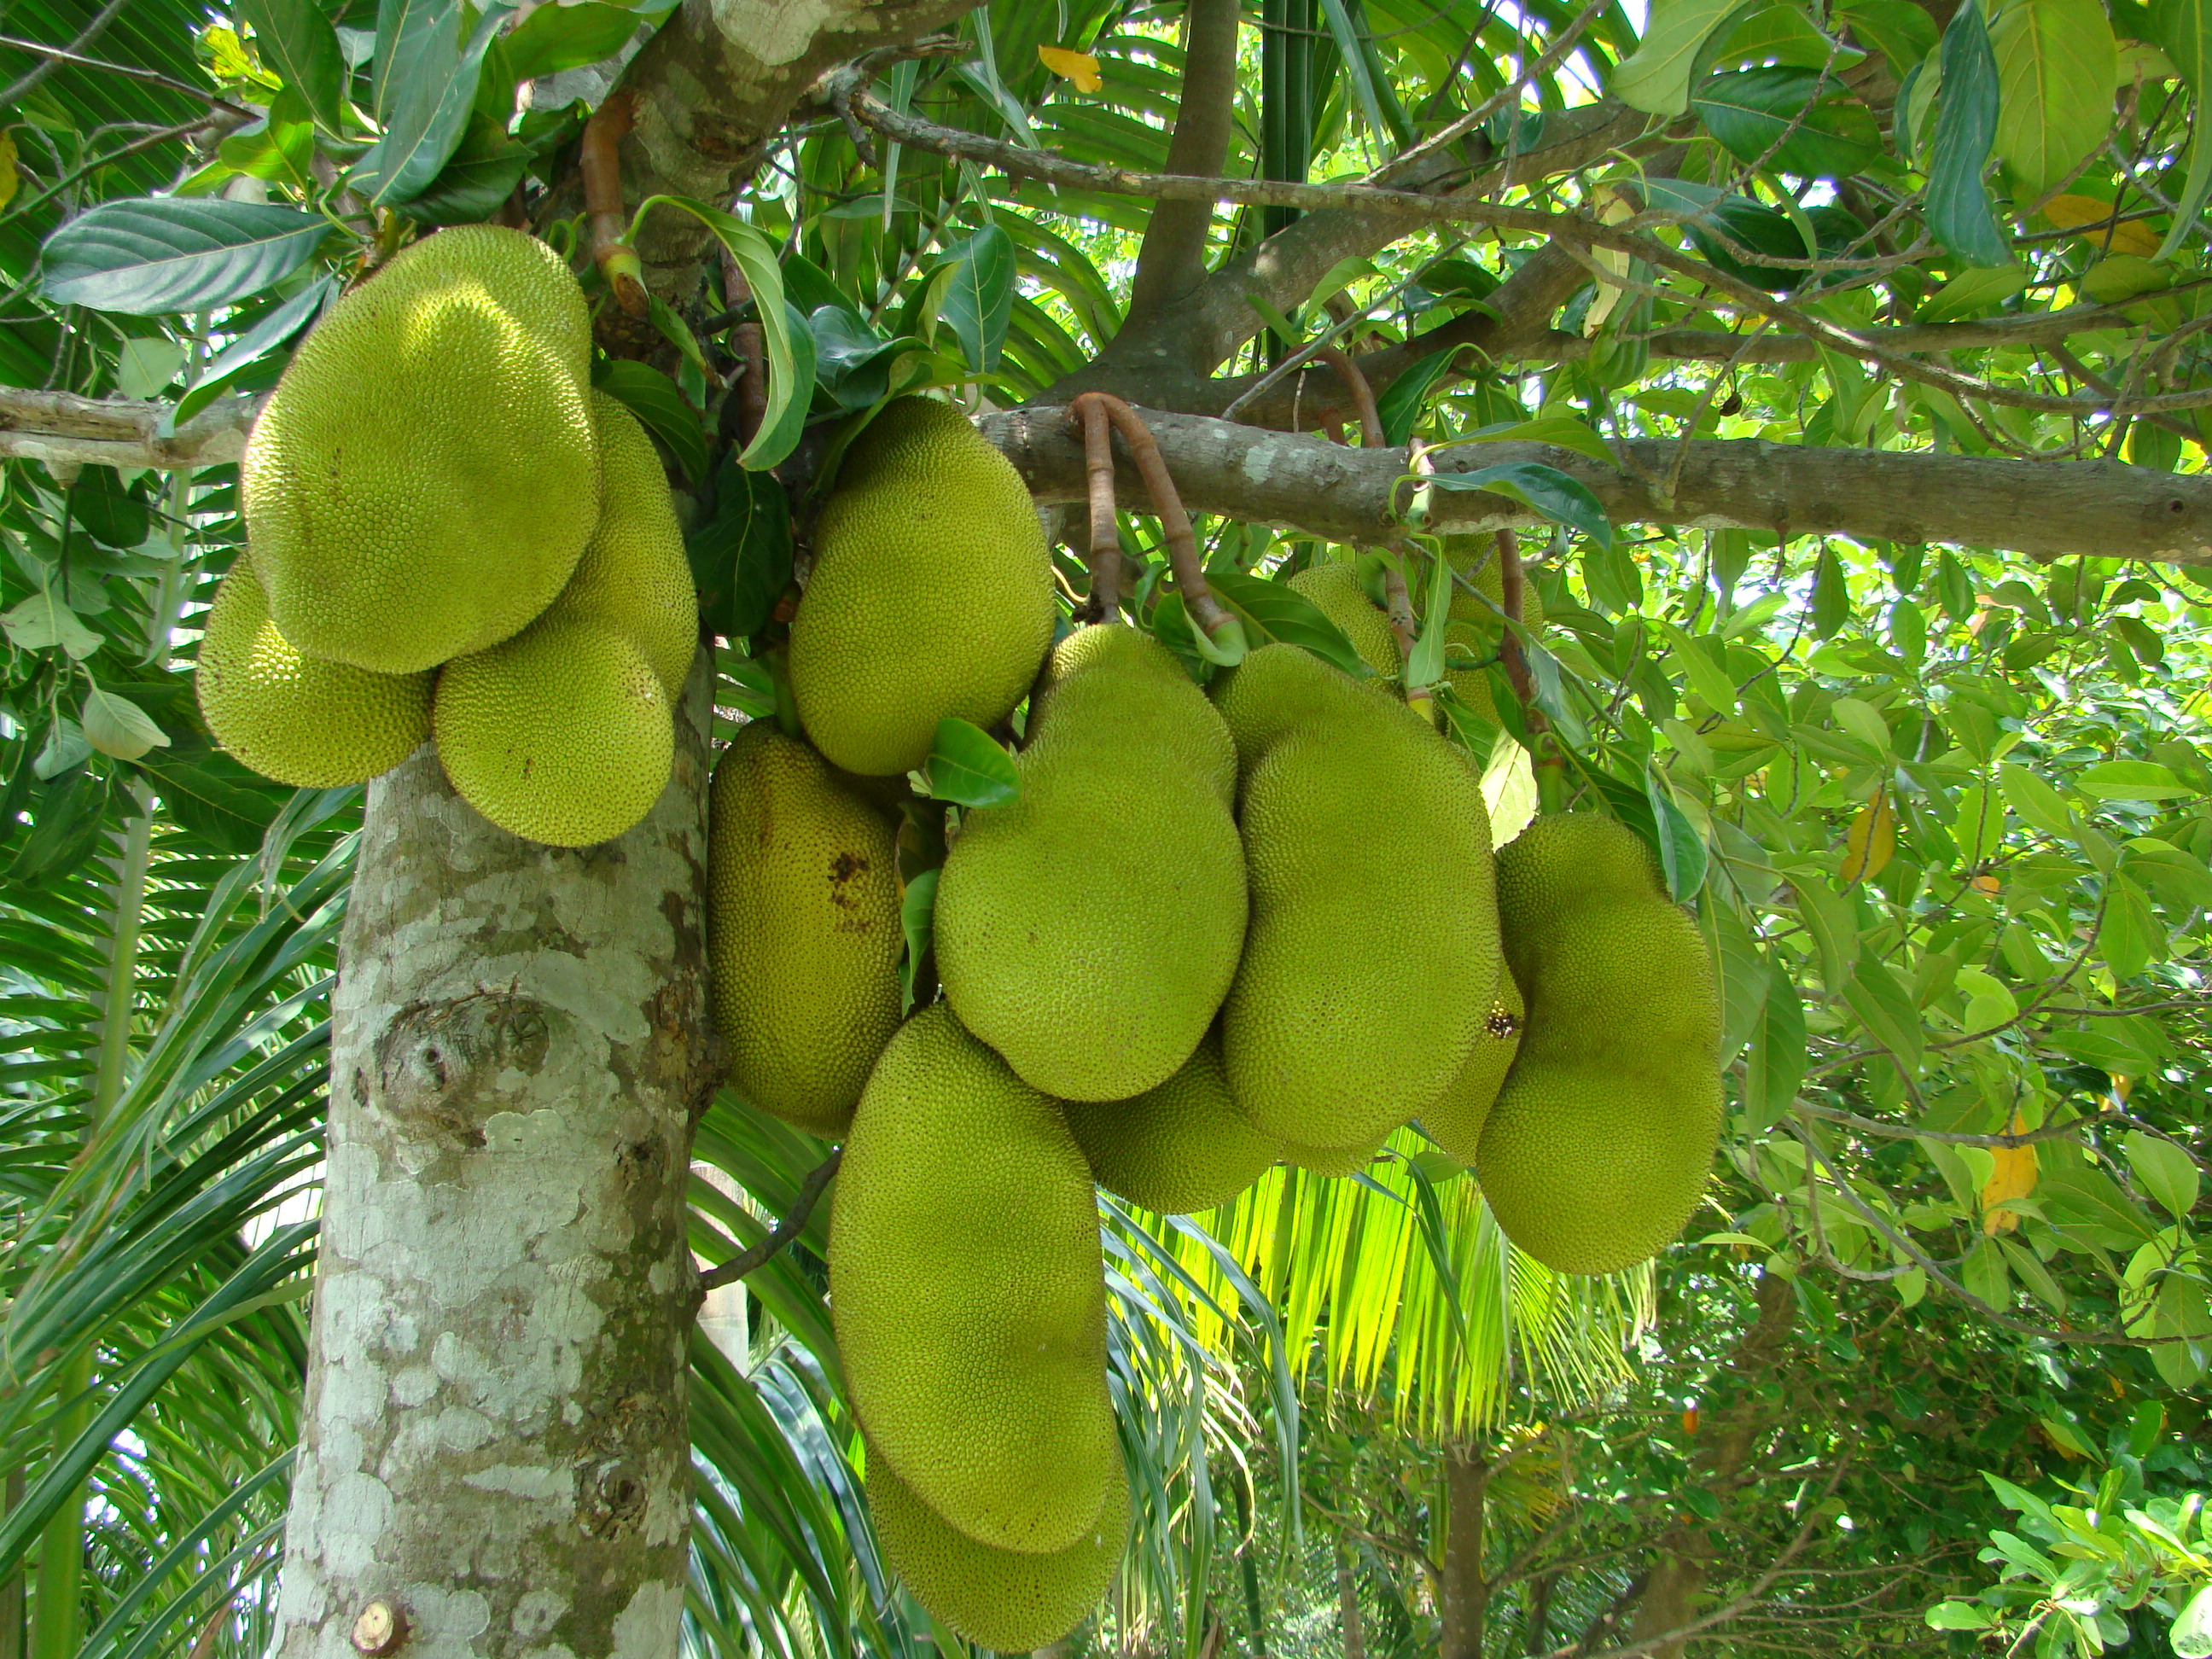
{"x":60,"y":428}
{"x":1172,"y":260}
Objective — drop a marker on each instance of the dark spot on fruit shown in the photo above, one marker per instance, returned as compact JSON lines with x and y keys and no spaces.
{"x":846,"y":866}
{"x":1501,"y":1025}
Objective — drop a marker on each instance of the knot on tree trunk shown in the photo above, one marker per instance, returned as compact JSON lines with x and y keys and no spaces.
{"x":443,"y":1068}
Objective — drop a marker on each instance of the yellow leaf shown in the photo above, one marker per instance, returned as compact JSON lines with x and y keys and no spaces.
{"x":1986,"y":883}
{"x":1870,"y":840}
{"x":2065,"y":212}
{"x":8,"y":177}
{"x":2013,"y":1177}
{"x":1080,"y":67}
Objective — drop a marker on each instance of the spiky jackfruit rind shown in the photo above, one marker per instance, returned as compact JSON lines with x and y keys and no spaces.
{"x":1600,"y":1141}
{"x":1178,"y":1148}
{"x":803,"y":933}
{"x":1372,"y":954}
{"x":1005,"y":1599}
{"x":969,"y":1292}
{"x":1335,"y":589}
{"x":1455,"y":1118}
{"x":634,"y":576}
{"x":310,"y":724}
{"x":420,"y":483}
{"x":931,"y":595}
{"x":562,"y":735}
{"x":1088,"y":929}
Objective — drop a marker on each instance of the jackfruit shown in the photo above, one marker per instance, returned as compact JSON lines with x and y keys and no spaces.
{"x":1336,"y":590}
{"x":1455,"y":1118}
{"x":313,"y":725}
{"x":803,"y":933}
{"x":1372,"y":954}
{"x":1088,"y":929}
{"x":1473,"y":630}
{"x":931,"y":595}
{"x":420,"y":483}
{"x":969,"y":1292}
{"x":1597,"y":1149}
{"x":632,"y":576}
{"x":1335,"y":1161}
{"x":1001,"y":1599}
{"x":1178,"y":1148}
{"x":560,"y":735}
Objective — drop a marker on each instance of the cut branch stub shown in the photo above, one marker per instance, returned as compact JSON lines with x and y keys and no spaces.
{"x":1206,"y":612}
{"x":1088,"y":414}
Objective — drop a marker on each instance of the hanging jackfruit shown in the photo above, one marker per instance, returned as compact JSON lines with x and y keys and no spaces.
{"x":421,"y":482}
{"x":1178,"y":1148}
{"x":1473,"y":630}
{"x":1598,"y":1147}
{"x":1372,"y":954}
{"x":632,"y":576}
{"x":1455,"y":1118}
{"x":802,"y":931}
{"x":1335,"y":589}
{"x":560,"y":735}
{"x":969,"y":1295}
{"x":313,"y":725}
{"x":1001,"y":1599}
{"x":931,"y":595}
{"x":1088,"y":929}
{"x":1335,"y":1161}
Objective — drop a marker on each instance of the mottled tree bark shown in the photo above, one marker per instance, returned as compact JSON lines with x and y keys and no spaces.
{"x":496,"y":1459}
{"x":1465,"y":1594}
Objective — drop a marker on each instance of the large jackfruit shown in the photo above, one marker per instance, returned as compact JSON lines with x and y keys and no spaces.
{"x":562,"y":735}
{"x":633,"y":575}
{"x":1473,"y":630}
{"x":1336,"y":592}
{"x":803,"y":930}
{"x":1597,"y":1149}
{"x":1335,"y":1161}
{"x":970,"y":1294}
{"x":1372,"y":954}
{"x":931,"y":595}
{"x":422,"y":479}
{"x":313,"y":725}
{"x":1177,"y":1148}
{"x":1455,"y":1118}
{"x":1006,"y":1600}
{"x":1088,"y":929}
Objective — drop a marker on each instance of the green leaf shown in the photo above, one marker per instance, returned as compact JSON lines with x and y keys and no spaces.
{"x":555,"y":38}
{"x":1364,"y":68}
{"x":1791,"y":121}
{"x":2183,"y":29}
{"x":296,"y":40}
{"x":2056,"y":63}
{"x":2131,"y":780}
{"x":481,"y":173}
{"x":2034,"y":799}
{"x":1957,"y":210}
{"x":2191,"y":1637}
{"x":979,"y":295}
{"x":653,"y":398}
{"x":1832,"y":921}
{"x":2164,"y":1171}
{"x":164,"y":253}
{"x":741,"y":557}
{"x":1560,"y":431}
{"x":1399,"y":408}
{"x":429,"y":111}
{"x":2131,"y":938}
{"x":212,"y":797}
{"x":1656,"y":78}
{"x":1775,"y":1065}
{"x":1973,"y":293}
{"x":967,"y":767}
{"x":1273,"y":610}
{"x":116,"y":725}
{"x":1545,"y":489}
{"x":1681,"y":848}
{"x":1885,"y":1008}
{"x":918,"y":922}
{"x":1958,"y":1615}
{"x":272,"y":332}
{"x":44,"y":620}
{"x":1831,"y":594}
{"x":1900,"y":31}
{"x":1979,"y":825}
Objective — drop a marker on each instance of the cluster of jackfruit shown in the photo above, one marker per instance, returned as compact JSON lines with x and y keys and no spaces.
{"x":1213,"y":931}
{"x":452,"y":535}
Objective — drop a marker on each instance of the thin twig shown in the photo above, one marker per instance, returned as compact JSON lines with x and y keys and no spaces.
{"x":1204,"y":610}
{"x":792,"y":1224}
{"x":1362,"y":395}
{"x":1105,"y":558}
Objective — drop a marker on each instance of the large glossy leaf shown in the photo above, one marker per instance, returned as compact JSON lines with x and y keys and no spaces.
{"x":167,"y":253}
{"x":979,"y":295}
{"x":2056,"y":62}
{"x":1958,"y":212}
{"x":1791,"y":120}
{"x":2184,"y":28}
{"x":429,"y":107}
{"x":1656,"y":78}
{"x":296,"y":39}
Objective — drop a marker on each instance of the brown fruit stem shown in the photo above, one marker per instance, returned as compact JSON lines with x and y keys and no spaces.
{"x":1105,"y":558}
{"x":1198,"y":598}
{"x":599,"y":160}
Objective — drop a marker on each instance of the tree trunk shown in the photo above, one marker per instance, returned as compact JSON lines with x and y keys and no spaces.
{"x":1347,"y":1604}
{"x":495,"y":1455}
{"x":1466,"y":1596}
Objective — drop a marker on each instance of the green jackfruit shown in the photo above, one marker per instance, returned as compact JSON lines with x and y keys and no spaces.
{"x":634,"y":577}
{"x":1336,"y":592}
{"x":1088,"y":929}
{"x":422,"y":479}
{"x":931,"y":595}
{"x":1599,"y":1146}
{"x":560,"y":735}
{"x":1001,"y":1599}
{"x":970,"y":1294}
{"x":1455,"y":1118}
{"x":803,"y":929}
{"x":1372,"y":953}
{"x":1335,"y":1161}
{"x":313,"y":725}
{"x":1178,"y":1148}
{"x":1472,"y":630}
